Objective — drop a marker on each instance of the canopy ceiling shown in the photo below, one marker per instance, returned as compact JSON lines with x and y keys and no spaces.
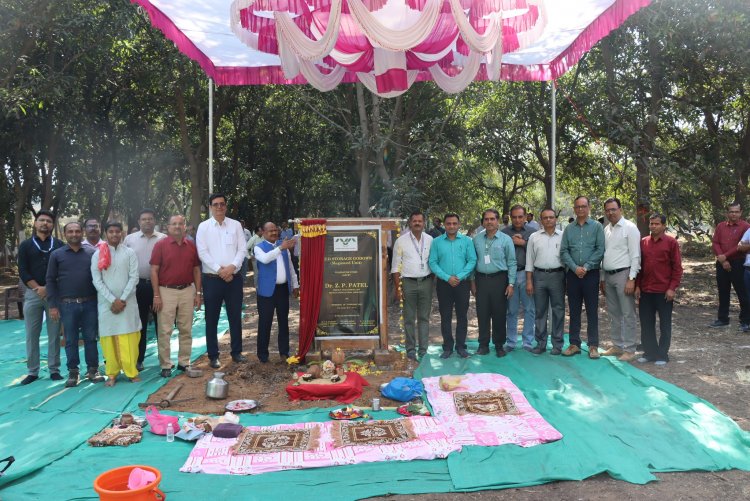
{"x":385,"y":44}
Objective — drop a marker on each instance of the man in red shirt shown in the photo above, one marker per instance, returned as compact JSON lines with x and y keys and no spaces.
{"x":655,"y":286}
{"x":176,"y":280}
{"x":729,"y":266}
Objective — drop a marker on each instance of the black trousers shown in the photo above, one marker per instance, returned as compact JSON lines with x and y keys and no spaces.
{"x":725,"y":280}
{"x":144,"y":294}
{"x":448,"y":298}
{"x":279,"y":302}
{"x":651,"y":304}
{"x":583,"y":291}
{"x":215,"y":292}
{"x":492,"y":306}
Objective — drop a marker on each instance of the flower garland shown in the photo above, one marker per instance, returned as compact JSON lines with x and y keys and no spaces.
{"x":400,"y":294}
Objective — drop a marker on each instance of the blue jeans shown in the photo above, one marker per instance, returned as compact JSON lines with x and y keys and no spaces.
{"x":529,"y":313}
{"x":80,"y":319}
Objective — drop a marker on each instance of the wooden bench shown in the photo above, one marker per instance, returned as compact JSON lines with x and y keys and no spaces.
{"x":13,"y":295}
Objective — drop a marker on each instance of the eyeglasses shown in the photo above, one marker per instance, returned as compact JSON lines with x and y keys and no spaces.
{"x":219,"y":204}
{"x":549,"y":217}
{"x":610,"y":211}
{"x":92,"y":226}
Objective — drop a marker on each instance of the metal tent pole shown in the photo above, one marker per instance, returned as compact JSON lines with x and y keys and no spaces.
{"x":210,"y":135}
{"x":553,"y":151}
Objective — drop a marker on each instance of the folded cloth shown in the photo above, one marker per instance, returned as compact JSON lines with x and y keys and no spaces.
{"x":228,"y":430}
{"x":117,"y":435}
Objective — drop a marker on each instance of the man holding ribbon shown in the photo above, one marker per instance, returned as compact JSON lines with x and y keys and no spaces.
{"x":276,"y":282}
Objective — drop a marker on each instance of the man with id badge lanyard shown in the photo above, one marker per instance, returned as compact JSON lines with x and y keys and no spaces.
{"x":493,"y":282}
{"x":413,"y":280}
{"x":33,"y":257}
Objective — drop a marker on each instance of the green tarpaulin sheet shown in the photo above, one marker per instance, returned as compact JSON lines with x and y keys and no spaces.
{"x":614,"y":418}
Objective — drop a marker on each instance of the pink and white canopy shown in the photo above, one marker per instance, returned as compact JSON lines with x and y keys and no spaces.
{"x":385,"y":44}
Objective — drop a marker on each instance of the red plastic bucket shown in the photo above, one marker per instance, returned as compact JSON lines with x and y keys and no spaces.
{"x":112,"y":485}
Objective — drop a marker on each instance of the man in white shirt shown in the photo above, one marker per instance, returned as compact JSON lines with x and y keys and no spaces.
{"x":620,"y":266}
{"x":275,"y":283}
{"x":413,"y":280}
{"x":221,"y":248}
{"x":143,"y":242}
{"x":545,"y":280}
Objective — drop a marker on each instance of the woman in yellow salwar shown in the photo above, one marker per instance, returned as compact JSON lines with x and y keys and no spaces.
{"x":114,"y":269}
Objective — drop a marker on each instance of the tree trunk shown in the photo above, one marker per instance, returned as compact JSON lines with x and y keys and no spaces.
{"x":363,"y":154}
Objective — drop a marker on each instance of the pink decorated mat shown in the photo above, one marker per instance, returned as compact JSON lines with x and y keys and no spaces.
{"x":213,"y":455}
{"x":526,"y":427}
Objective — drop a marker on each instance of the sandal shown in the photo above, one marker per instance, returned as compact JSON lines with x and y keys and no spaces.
{"x":135,"y":379}
{"x":8,"y":460}
{"x":110,"y":381}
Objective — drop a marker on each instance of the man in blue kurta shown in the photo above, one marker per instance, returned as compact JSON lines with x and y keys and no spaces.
{"x":452,"y":259}
{"x":276,"y":282}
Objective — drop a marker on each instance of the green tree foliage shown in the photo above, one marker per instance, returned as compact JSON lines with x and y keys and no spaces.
{"x":100,"y":116}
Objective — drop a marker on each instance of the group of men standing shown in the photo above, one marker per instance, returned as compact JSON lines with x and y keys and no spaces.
{"x":520,"y":265}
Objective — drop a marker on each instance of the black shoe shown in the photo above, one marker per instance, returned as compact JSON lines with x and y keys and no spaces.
{"x":181,"y":368}
{"x":55,"y":376}
{"x":72,"y":381}
{"x":239,"y":358}
{"x":555,"y":351}
{"x":412,"y":356}
{"x":214,"y":363}
{"x":166,"y":372}
{"x":463,"y":353}
{"x":94,"y":376}
{"x":718,"y":323}
{"x":500,"y":353}
{"x":538,"y":350}
{"x":744,"y":328}
{"x":139,"y":366}
{"x":446,"y":354}
{"x":483,"y":350}
{"x":29,"y":379}
{"x":283,"y":356}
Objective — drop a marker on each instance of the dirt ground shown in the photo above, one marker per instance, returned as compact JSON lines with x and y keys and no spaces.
{"x":713,"y":364}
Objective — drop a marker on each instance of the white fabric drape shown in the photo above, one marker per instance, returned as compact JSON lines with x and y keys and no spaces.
{"x":456,"y":84}
{"x":247,"y":37}
{"x":478,"y":43}
{"x":303,"y":47}
{"x":320,"y":81}
{"x":396,"y":40}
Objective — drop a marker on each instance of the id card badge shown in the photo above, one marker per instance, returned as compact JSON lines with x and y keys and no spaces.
{"x":487,"y":259}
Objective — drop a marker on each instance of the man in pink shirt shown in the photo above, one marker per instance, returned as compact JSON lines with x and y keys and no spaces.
{"x":729,"y":267}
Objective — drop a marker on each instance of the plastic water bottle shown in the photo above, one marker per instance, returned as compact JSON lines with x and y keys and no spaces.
{"x":170,"y":433}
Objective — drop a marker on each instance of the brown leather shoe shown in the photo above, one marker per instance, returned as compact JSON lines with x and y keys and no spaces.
{"x":627,"y":356}
{"x":571,"y":350}
{"x":594,"y":352}
{"x":612,"y":352}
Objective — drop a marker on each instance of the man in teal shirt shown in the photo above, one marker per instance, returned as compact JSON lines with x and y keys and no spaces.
{"x":581,"y":252}
{"x":493,"y":282}
{"x":452,"y":260}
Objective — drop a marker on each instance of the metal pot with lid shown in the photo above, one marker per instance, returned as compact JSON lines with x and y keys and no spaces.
{"x":217,"y":388}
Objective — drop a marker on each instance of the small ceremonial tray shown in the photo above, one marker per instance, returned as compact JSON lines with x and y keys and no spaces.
{"x":346,"y":413}
{"x":241,"y":405}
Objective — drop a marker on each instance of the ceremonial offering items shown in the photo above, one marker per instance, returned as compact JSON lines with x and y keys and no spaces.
{"x":217,"y":388}
{"x":346,"y":413}
{"x":241,"y":405}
